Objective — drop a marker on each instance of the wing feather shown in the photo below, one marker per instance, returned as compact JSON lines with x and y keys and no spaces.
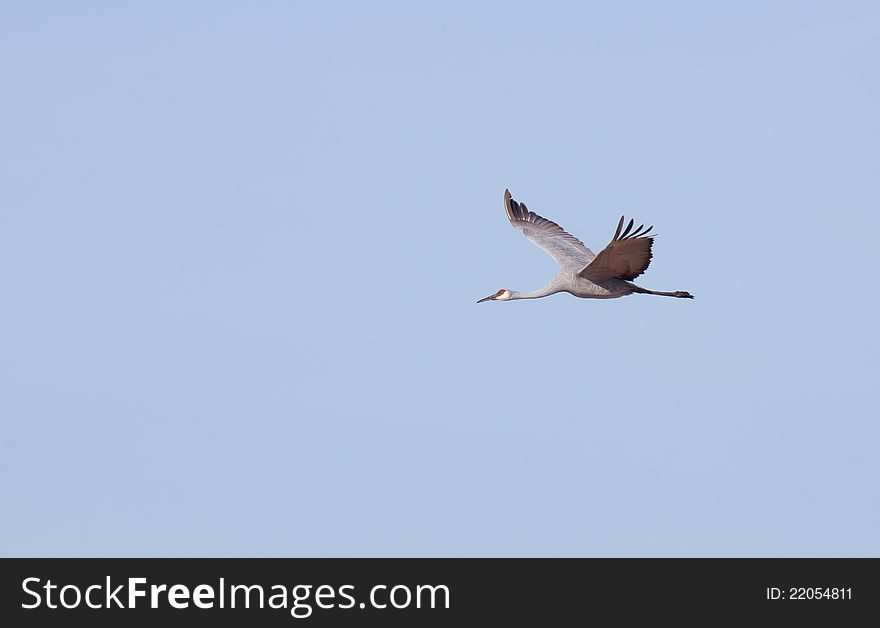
{"x":563,"y":247}
{"x":626,"y":257}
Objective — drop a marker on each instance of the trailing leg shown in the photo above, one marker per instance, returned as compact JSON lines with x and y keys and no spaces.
{"x":678,"y":294}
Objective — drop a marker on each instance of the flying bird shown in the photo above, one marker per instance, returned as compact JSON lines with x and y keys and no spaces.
{"x":584,"y":274}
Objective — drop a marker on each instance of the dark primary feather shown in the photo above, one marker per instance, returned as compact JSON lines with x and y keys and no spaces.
{"x":626,"y":257}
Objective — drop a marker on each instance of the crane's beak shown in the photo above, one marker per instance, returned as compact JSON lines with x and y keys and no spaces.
{"x":489,"y":298}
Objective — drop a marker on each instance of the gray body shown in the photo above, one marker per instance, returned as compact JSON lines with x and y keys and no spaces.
{"x":568,"y":280}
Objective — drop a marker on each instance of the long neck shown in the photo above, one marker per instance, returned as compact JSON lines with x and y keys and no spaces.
{"x":534,"y":294}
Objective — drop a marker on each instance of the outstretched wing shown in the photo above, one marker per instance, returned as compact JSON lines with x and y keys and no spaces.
{"x":566,"y":249}
{"x":626,"y":256}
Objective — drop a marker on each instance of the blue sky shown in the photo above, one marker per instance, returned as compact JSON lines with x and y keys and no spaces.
{"x":240,"y":249}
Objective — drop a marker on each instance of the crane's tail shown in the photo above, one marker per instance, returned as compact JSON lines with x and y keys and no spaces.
{"x":678,"y":294}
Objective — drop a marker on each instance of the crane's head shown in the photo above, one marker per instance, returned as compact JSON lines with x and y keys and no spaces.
{"x":501,"y":295}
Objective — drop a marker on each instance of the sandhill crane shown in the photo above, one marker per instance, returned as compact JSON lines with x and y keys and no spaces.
{"x":584,"y":274}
